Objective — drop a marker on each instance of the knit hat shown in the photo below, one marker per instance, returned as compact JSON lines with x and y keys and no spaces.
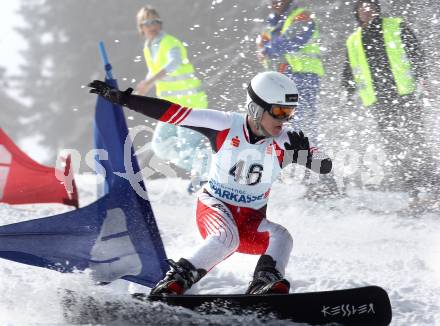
{"x":372,"y":3}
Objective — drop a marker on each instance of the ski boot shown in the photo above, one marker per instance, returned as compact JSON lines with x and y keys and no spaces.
{"x":267,"y":280}
{"x":181,"y":276}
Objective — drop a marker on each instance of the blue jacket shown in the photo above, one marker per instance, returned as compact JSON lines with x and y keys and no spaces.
{"x":292,"y":40}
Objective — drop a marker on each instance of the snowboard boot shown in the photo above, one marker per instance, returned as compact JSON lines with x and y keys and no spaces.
{"x":267,"y":280}
{"x":181,"y":276}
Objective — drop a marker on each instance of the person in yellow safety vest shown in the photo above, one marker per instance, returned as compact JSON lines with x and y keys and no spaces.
{"x":385,"y":65}
{"x":290,"y":45}
{"x":171,"y":72}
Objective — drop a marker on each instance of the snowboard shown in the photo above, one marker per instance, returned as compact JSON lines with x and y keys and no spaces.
{"x":368,"y":305}
{"x":358,"y":306}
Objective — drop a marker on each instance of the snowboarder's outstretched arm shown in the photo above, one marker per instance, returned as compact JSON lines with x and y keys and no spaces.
{"x":172,"y":113}
{"x":162,"y":110}
{"x":210,"y":123}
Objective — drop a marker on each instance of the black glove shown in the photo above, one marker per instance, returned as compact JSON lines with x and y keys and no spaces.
{"x":109,"y":93}
{"x":297,"y":142}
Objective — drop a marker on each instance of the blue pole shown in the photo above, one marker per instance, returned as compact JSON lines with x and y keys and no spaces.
{"x":105,"y":61}
{"x":104,"y":188}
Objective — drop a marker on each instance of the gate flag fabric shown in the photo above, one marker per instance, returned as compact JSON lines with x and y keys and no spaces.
{"x":115,"y":237}
{"x":24,"y":181}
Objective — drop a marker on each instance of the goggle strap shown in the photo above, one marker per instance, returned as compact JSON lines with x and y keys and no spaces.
{"x":258,"y":100}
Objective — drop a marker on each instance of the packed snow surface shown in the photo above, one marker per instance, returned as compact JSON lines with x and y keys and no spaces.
{"x":336,"y":245}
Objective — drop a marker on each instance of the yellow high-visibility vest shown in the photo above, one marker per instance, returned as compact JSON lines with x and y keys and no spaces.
{"x":180,"y":86}
{"x":397,"y":57}
{"x":307,"y":58}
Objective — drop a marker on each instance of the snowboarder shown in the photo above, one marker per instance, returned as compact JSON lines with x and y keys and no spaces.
{"x":249,"y":151}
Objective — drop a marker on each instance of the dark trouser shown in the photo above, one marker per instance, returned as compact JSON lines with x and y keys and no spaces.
{"x":400,"y":123}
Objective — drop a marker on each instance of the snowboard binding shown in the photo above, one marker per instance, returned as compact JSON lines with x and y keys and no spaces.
{"x":181,"y":276}
{"x":268,"y":280}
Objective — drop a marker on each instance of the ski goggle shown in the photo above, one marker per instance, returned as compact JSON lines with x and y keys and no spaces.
{"x":282,"y":112}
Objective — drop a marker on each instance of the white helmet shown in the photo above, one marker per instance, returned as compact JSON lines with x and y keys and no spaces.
{"x":266,"y":90}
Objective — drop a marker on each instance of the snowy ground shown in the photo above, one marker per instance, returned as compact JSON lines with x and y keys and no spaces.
{"x":336,"y":245}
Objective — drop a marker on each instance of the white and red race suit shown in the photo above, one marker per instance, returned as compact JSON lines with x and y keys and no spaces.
{"x":231,"y":209}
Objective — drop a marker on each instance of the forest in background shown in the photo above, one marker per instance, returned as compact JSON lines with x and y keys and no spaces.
{"x":62,"y":56}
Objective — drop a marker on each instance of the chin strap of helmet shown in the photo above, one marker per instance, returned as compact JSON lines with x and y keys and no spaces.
{"x":256,"y":113}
